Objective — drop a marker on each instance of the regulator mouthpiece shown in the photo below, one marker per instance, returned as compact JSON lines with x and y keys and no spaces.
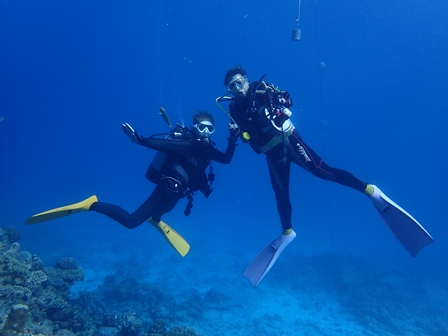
{"x":296,"y":34}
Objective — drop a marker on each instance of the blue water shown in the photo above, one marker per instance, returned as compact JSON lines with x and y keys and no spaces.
{"x":73,"y":72}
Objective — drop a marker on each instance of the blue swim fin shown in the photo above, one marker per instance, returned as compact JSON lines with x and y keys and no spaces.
{"x":406,"y":228}
{"x":263,"y":262}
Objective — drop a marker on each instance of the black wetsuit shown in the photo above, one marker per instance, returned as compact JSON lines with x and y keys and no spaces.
{"x":184,"y":168}
{"x":252,"y":114}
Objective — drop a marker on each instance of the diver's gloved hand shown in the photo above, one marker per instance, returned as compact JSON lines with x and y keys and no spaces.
{"x":130,"y":132}
{"x":235,"y":130}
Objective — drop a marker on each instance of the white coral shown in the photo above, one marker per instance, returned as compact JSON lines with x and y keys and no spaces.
{"x":36,"y":278}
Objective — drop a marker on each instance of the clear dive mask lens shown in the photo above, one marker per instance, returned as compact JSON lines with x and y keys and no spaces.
{"x":205,"y":128}
{"x":236,"y":84}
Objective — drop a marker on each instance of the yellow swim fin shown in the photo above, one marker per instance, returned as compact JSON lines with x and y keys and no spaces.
{"x":62,"y":211}
{"x":172,"y":237}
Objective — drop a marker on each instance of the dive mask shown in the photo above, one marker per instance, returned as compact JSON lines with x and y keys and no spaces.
{"x":205,"y":128}
{"x":236,"y":84}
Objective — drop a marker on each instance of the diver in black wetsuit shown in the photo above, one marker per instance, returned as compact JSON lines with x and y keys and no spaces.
{"x":189,"y":153}
{"x":178,"y":170}
{"x":262,"y":113}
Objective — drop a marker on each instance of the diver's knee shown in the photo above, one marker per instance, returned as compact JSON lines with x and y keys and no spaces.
{"x":132,"y":224}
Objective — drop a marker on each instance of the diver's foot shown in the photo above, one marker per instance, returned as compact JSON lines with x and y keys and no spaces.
{"x":370,"y":189}
{"x":286,"y":237}
{"x":287,"y":232}
{"x":374,"y":193}
{"x":87,"y":203}
{"x":378,"y":198}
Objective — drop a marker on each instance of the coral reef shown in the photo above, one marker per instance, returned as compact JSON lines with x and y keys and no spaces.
{"x":36,"y":300}
{"x":15,"y":321}
{"x":66,"y":269}
{"x":11,"y":233}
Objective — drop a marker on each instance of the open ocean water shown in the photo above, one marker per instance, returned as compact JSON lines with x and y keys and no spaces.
{"x":369,"y":82}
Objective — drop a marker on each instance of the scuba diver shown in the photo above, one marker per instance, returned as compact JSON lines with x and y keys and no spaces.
{"x":260,"y":114}
{"x":178,"y":170}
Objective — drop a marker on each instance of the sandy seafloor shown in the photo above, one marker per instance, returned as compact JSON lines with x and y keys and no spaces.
{"x":322,"y":295}
{"x":304,"y":294}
